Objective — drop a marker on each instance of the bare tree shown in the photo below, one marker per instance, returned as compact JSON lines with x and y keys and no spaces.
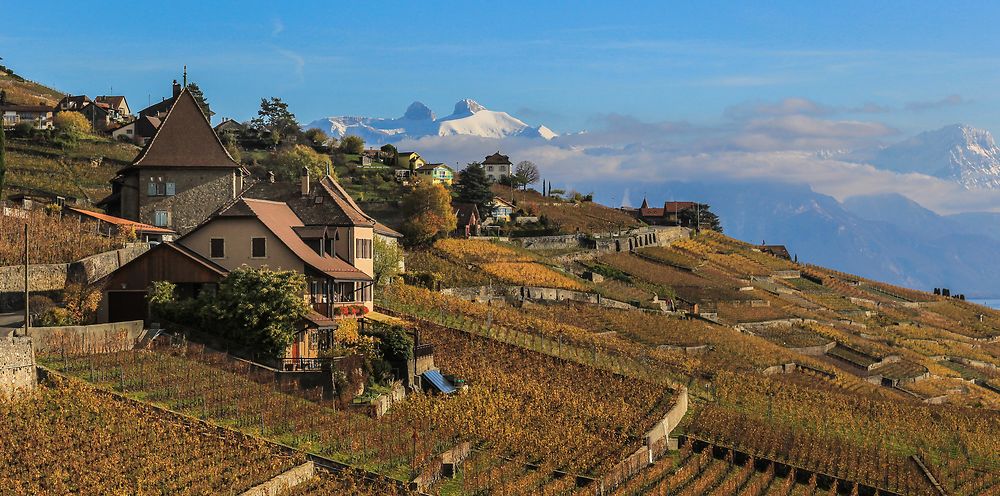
{"x":526,"y":173}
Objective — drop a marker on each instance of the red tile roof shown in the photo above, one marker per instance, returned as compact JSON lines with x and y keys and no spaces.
{"x":281,"y":221}
{"x":651,"y":212}
{"x":185,"y":139}
{"x":120,"y":222}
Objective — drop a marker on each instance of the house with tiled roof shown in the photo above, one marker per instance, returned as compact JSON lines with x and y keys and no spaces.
{"x":137,"y":131}
{"x":117,"y":103}
{"x":181,"y":176}
{"x":40,"y":116}
{"x":668,"y":215}
{"x":437,"y":173}
{"x":497,"y":166}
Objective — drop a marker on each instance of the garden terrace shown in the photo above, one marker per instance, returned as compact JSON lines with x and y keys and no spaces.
{"x":69,"y":438}
{"x":803,"y":284}
{"x":671,"y":257}
{"x":449,"y":273}
{"x":794,"y":336}
{"x":748,"y":314}
{"x":327,"y":482}
{"x":497,"y":263}
{"x":853,"y":357}
{"x":900,"y":370}
{"x":78,"y":170}
{"x":955,"y":391}
{"x":54,"y":239}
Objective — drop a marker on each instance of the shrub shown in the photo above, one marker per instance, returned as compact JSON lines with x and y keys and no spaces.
{"x":72,"y":123}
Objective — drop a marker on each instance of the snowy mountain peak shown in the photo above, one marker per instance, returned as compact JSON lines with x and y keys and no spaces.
{"x":467,"y":107}
{"x":958,"y":152}
{"x":417,"y":111}
{"x":468,"y":119}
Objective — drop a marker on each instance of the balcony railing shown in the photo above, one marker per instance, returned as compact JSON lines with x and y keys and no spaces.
{"x":303,"y":363}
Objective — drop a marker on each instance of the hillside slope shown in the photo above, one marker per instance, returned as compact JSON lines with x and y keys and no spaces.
{"x":22,"y":91}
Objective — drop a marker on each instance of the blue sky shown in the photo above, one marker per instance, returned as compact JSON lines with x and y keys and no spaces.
{"x":909,"y":65}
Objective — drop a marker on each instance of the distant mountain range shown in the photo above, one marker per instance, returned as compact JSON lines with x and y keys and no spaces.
{"x":468,"y":118}
{"x":883,"y":237}
{"x":960,"y":153}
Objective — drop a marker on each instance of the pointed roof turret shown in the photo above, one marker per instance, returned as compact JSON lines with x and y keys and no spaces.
{"x":645,"y":204}
{"x":185,"y":139}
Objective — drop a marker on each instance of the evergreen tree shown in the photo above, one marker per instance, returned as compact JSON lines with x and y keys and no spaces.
{"x":200,"y":98}
{"x":473,"y":186}
{"x":274,"y":118}
{"x":700,"y":217}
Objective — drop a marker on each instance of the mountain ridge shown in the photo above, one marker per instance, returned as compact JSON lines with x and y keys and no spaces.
{"x":468,"y":118}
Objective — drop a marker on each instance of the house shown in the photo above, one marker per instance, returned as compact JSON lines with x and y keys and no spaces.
{"x":160,"y":109}
{"x":40,"y":116}
{"x":669,"y":215}
{"x":118,"y":106}
{"x":779,"y":251}
{"x":497,"y":166}
{"x":72,"y":103}
{"x":438,"y":173}
{"x":402,"y":175}
{"x":230,"y":126}
{"x":468,"y":219}
{"x":502,"y":209}
{"x":181,"y":176}
{"x":99,"y":116}
{"x":410,"y":160}
{"x":138,"y":131}
{"x":114,"y":226}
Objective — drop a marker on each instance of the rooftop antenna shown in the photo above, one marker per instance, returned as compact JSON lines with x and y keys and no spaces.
{"x":185,"y":75}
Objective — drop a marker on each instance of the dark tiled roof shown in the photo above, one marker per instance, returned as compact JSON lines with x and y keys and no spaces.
{"x":385,"y":230}
{"x":185,"y":139}
{"x":678,"y":206}
{"x":26,"y":108}
{"x":777,"y":250}
{"x":651,"y":212}
{"x":497,"y":159}
{"x":327,"y":204}
{"x":467,"y":213}
{"x":113,"y":100}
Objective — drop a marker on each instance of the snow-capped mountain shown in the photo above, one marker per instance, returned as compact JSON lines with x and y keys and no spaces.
{"x":467,"y":118}
{"x":960,"y":153}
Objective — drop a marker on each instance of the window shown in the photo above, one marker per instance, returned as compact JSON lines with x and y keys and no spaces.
{"x":151,"y":190}
{"x":217,"y":248}
{"x":362,"y":248}
{"x":345,"y":291}
{"x":171,"y":189}
{"x":489,"y":168}
{"x":161,"y":218}
{"x":258,"y":247}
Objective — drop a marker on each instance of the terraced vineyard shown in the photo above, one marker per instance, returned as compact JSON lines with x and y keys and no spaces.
{"x":68,"y":439}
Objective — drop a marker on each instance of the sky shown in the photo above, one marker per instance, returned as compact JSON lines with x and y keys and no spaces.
{"x":568,"y":65}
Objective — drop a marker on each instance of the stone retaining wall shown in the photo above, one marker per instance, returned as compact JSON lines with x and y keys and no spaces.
{"x":17,"y":366}
{"x":486,"y":293}
{"x":97,"y":338}
{"x":443,"y":465}
{"x":54,"y":277}
{"x":284,"y":481}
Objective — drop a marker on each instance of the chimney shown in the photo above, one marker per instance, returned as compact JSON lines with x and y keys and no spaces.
{"x":270,"y":177}
{"x":305,"y":181}
{"x":177,"y":89}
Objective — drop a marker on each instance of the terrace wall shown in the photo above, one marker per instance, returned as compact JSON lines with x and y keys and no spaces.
{"x":17,"y":366}
{"x":486,"y":293}
{"x":283,"y":482}
{"x":97,"y":338}
{"x":54,"y":277}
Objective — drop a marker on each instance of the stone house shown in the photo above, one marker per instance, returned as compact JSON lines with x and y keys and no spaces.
{"x":181,"y":177}
{"x":497,"y":166}
{"x":669,"y":215}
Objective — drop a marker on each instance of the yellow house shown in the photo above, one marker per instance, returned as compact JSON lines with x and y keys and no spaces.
{"x":438,"y":173}
{"x":407,"y":158}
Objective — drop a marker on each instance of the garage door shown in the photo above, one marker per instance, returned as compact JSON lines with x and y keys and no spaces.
{"x":127,"y":305}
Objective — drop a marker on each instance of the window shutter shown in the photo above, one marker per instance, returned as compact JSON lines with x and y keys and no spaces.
{"x":171,"y":189}
{"x":151,"y":190}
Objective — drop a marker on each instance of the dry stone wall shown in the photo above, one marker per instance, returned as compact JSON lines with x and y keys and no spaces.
{"x":17,"y":366}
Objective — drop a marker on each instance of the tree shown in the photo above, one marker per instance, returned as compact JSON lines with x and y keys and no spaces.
{"x":274,"y":118}
{"x":473,"y":186}
{"x":290,"y":160}
{"x":200,"y":98}
{"x":71,"y":123}
{"x":258,"y":308}
{"x":700,"y":217}
{"x":392,"y":152}
{"x":526,"y":173}
{"x":386,"y":262}
{"x":429,"y":213}
{"x":316,"y":138}
{"x":352,"y":144}
{"x":3,"y":160}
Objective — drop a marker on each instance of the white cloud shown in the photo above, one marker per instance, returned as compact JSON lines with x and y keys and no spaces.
{"x":277,"y":26}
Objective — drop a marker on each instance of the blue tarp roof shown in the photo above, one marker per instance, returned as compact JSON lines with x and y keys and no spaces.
{"x":439,"y":381}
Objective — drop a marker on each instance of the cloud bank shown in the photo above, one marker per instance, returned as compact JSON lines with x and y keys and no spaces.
{"x":794,"y":141}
